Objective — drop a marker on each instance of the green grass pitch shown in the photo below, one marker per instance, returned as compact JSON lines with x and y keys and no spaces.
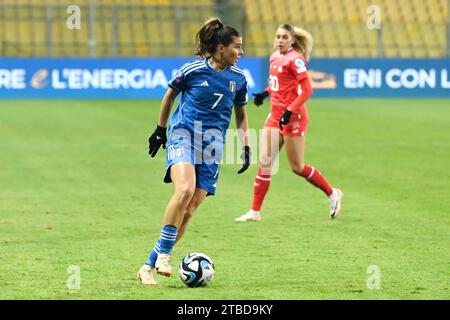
{"x":77,"y":188}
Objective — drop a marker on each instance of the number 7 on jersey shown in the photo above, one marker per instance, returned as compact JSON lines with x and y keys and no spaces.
{"x":218,"y":99}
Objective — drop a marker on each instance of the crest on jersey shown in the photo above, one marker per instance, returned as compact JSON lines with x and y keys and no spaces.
{"x":232,"y":86}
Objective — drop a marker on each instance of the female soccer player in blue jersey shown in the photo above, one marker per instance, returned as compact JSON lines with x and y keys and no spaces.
{"x":210,"y":87}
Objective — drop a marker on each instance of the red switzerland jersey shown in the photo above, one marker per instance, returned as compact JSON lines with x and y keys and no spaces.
{"x":286,"y":72}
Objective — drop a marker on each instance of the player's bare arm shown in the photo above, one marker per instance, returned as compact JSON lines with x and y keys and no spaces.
{"x":166,"y":106}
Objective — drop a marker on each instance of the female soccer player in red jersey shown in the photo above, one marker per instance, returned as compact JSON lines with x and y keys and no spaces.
{"x":288,"y":119}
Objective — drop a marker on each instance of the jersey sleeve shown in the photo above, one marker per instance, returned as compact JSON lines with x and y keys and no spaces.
{"x":241,"y":98}
{"x":307,"y":92}
{"x":178,"y":81}
{"x":298,"y":66}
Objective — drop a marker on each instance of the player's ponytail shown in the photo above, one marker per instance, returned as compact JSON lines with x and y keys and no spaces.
{"x":213,"y":33}
{"x":303,"y":42}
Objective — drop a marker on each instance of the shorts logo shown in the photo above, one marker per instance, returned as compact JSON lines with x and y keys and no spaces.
{"x":232,"y":86}
{"x":179,"y":152}
{"x":172,"y":152}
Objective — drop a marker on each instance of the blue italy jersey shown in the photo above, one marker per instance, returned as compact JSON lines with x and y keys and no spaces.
{"x":198,"y":126}
{"x":207,"y":96}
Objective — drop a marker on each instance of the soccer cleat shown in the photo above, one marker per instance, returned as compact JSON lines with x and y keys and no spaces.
{"x":146,"y":275}
{"x":249,"y":216}
{"x":335,"y":201}
{"x":163,"y":264}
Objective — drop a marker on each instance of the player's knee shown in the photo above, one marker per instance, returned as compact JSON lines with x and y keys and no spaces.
{"x":297,"y":167}
{"x":185,"y":193}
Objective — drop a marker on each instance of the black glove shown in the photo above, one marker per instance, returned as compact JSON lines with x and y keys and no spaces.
{"x":245,"y":156}
{"x":259,"y":97}
{"x":156,"y":140}
{"x":285,"y":118}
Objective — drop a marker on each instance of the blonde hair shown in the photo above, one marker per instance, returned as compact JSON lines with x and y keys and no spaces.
{"x":303,"y":40}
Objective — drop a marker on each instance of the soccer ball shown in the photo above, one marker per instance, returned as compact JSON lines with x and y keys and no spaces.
{"x":196,"y":270}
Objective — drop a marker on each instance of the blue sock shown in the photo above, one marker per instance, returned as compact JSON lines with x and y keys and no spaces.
{"x":167,"y":240}
{"x":151,"y":260}
{"x":163,"y":245}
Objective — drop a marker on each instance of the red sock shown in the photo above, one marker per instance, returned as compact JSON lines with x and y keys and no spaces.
{"x":313,"y":176}
{"x":261,"y":186}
